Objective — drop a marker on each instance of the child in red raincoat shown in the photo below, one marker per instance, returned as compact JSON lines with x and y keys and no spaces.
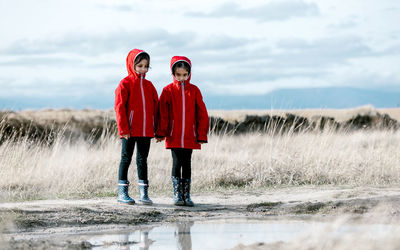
{"x":136,"y":107}
{"x":183,"y":124}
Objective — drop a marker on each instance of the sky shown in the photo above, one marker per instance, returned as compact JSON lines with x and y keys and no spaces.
{"x":59,"y":50}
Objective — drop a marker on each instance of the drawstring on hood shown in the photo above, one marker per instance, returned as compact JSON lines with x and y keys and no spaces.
{"x":130,"y":63}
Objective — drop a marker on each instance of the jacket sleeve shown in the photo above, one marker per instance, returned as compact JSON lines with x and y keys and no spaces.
{"x":121,"y":98}
{"x":202,"y":118}
{"x":163,"y":111}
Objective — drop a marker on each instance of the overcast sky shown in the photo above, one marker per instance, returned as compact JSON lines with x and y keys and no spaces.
{"x":78,"y":48}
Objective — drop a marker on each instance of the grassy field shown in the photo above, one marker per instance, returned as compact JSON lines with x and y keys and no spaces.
{"x":79,"y":168}
{"x":311,"y":172}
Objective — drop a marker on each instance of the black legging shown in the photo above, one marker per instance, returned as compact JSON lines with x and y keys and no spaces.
{"x":181,"y":162}
{"x":142,"y":151}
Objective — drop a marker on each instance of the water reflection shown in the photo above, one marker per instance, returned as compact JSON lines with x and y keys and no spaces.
{"x":217,"y":234}
{"x":144,"y":242}
{"x":188,"y":235}
{"x":182,"y":235}
{"x":142,"y":238}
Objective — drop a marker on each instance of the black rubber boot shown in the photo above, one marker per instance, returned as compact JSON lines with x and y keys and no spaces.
{"x":177,"y":185}
{"x":143,"y":194}
{"x":123,"y":196}
{"x":186,"y":192}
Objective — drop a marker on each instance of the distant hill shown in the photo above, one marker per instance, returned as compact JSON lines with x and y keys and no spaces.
{"x":302,"y":98}
{"x":339,"y":97}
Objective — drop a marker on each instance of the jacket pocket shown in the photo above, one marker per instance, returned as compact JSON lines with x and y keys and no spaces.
{"x":130,"y":119}
{"x":194,"y":132}
{"x":172,"y":128}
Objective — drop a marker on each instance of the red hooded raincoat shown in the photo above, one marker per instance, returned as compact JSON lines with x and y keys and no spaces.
{"x":136,"y":102}
{"x":183,"y":114}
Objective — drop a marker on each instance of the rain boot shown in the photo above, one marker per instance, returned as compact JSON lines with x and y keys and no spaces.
{"x":143,"y":195}
{"x":177,"y":185}
{"x":186,"y":192}
{"x":123,"y":196}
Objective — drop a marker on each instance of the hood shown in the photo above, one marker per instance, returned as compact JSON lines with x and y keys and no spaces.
{"x":176,"y":59}
{"x":129,"y":62}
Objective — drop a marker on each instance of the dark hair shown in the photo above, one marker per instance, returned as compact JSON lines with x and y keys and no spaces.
{"x":140,"y":57}
{"x":181,"y":64}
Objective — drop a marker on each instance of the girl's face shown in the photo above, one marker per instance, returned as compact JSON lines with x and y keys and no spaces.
{"x":181,"y":74}
{"x":142,"y":67}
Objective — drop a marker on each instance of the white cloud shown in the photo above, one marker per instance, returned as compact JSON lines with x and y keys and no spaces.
{"x":272,"y":11}
{"x":59,"y":46}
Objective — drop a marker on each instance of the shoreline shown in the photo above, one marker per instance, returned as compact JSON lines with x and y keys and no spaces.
{"x":39,"y":215}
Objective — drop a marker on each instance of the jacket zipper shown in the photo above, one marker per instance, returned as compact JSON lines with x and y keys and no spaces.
{"x":144,"y":105}
{"x":130,"y":119}
{"x":194,"y":132}
{"x":183,"y":114}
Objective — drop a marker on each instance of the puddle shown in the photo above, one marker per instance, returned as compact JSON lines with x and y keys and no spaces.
{"x":219,"y":234}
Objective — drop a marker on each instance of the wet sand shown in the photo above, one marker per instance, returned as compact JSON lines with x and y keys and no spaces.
{"x":26,"y":222}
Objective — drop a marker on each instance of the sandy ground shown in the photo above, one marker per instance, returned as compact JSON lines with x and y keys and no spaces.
{"x":24,"y":221}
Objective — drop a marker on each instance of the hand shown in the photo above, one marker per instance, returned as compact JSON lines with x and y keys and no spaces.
{"x":159,"y":139}
{"x":127,"y":136}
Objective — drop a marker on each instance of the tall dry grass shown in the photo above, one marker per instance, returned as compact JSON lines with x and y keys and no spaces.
{"x":79,"y":168}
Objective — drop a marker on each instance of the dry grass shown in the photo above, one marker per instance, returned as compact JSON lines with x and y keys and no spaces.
{"x":78,"y":168}
{"x":361,"y":158}
{"x":66,"y":115}
{"x":339,"y":115}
